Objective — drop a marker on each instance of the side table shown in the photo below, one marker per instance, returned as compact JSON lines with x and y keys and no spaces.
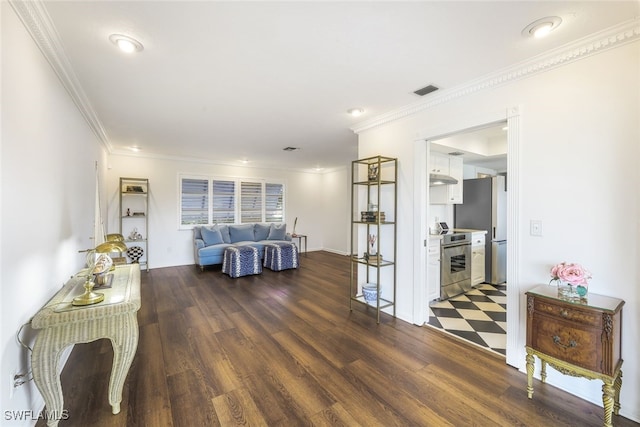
{"x":62,"y":324}
{"x":578,"y":337}
{"x":300,"y":237}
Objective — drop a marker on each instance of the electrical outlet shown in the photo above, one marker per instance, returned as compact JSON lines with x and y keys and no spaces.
{"x":11,"y":385}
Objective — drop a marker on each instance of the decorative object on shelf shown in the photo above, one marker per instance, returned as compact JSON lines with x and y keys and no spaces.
{"x":372,"y":244}
{"x":135,"y":253}
{"x":370,"y":292}
{"x":373,"y":172}
{"x":372,"y":216}
{"x":571,"y":280}
{"x":134,"y":235}
{"x":372,"y":207}
{"x":135,"y":189}
{"x":128,"y":212}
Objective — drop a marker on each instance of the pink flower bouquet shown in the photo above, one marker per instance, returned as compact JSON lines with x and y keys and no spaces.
{"x":572,"y":273}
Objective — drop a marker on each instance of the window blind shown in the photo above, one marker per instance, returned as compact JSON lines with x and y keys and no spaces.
{"x":194,"y":208}
{"x":250,"y":202}
{"x":224,"y":202}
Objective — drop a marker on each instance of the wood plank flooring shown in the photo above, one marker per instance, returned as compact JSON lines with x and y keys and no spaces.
{"x":283,"y":349}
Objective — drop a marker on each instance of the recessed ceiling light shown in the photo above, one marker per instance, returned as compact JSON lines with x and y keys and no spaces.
{"x":542,"y":27}
{"x":355,"y":112}
{"x":134,"y":148}
{"x":126,"y":43}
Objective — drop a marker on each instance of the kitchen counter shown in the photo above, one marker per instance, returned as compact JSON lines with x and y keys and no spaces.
{"x":434,"y":237}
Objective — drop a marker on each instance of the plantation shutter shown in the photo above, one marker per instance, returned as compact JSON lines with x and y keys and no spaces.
{"x":194,"y":207}
{"x":250,"y":202}
{"x":224,"y":202}
{"x":274,"y":211}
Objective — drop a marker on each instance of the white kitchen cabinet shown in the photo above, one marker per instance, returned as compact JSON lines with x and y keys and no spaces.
{"x":439,"y":164}
{"x":477,"y":258}
{"x":451,"y":193}
{"x":433,"y":277}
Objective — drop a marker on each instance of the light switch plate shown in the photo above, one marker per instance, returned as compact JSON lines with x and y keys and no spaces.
{"x":536,"y":227}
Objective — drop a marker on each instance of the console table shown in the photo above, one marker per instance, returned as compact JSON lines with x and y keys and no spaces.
{"x":581,"y":338}
{"x":62,"y":324}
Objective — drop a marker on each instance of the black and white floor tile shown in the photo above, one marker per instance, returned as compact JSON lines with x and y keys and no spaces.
{"x":478,"y":316}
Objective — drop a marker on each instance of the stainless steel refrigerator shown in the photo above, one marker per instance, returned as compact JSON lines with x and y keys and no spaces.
{"x":484,"y":207}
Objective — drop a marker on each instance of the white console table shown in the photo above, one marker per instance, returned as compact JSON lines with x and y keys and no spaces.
{"x":62,"y":324}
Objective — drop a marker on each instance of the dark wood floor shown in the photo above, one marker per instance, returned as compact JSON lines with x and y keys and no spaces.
{"x":284,"y":349}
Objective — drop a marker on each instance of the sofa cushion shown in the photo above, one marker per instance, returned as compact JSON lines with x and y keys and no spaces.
{"x":277,"y":232}
{"x":241,"y":232}
{"x":224,"y":230}
{"x":211,"y":235}
{"x":262,"y":231}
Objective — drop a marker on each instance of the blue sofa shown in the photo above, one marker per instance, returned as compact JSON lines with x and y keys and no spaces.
{"x":209,"y":242}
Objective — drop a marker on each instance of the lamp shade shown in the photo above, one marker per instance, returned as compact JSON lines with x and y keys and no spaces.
{"x":108,"y":247}
{"x":115,"y":237}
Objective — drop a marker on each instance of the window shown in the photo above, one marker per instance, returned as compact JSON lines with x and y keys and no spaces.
{"x":194,"y":206}
{"x":224,"y":201}
{"x":206,"y":200}
{"x":273,"y":202}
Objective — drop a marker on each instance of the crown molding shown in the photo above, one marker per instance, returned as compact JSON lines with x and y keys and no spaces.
{"x":172,"y":158}
{"x":37,"y":21}
{"x":602,"y":41}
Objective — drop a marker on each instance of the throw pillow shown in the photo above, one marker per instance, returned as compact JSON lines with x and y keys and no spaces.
{"x":262,"y":231}
{"x":241,"y":233}
{"x":224,"y":229}
{"x":277,"y":232}
{"x":211,"y":236}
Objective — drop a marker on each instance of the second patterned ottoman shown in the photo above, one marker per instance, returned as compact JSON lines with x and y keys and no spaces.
{"x":281,"y":256}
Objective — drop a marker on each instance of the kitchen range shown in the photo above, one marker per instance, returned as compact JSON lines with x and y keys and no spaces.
{"x":455,"y":265}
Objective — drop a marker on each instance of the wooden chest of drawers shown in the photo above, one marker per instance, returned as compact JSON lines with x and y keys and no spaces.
{"x":578,"y":338}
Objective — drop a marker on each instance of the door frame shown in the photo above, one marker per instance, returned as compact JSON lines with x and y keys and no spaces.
{"x":422,"y":145}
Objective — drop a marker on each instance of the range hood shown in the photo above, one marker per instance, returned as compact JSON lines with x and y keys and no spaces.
{"x":438,"y":179}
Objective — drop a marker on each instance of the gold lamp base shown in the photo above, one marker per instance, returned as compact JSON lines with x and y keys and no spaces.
{"x":89,"y":297}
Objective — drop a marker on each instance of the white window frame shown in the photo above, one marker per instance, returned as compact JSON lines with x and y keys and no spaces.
{"x":264,"y":202}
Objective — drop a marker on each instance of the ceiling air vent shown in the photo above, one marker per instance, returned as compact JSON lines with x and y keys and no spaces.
{"x":456,"y":153}
{"x":291,"y":148}
{"x":425,"y":90}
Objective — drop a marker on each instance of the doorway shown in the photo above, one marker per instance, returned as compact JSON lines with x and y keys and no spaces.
{"x":477,"y":315}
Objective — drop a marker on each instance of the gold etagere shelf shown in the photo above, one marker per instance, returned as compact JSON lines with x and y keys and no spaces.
{"x":373,"y":232}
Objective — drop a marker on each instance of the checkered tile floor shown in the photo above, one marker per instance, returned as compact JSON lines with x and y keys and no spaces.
{"x":479,"y":316}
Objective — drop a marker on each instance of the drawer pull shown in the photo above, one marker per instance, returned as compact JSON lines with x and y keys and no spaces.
{"x":564,"y":313}
{"x":572,"y":343}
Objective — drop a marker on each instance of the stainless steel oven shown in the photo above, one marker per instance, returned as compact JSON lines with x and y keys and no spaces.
{"x":455,"y":267}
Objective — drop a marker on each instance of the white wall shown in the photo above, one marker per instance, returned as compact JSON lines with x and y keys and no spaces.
{"x":308,"y":197}
{"x":579,"y":156}
{"x":48,"y":155}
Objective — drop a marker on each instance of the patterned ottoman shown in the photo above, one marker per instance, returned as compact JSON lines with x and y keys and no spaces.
{"x":241,"y":261}
{"x":281,"y":256}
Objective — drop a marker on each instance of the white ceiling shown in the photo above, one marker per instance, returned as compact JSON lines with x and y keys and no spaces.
{"x":486,"y":147}
{"x":232,"y":81}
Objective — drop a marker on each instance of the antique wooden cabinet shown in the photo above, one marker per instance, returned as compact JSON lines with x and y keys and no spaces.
{"x":578,"y":337}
